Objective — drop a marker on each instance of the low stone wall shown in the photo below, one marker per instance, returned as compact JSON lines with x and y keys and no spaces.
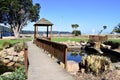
{"x":11,"y":59}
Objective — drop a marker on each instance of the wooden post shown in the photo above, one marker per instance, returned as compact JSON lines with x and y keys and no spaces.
{"x":35,"y":32}
{"x":51,"y":33}
{"x":66,"y":50}
{"x":47,"y":31}
{"x":26,"y":58}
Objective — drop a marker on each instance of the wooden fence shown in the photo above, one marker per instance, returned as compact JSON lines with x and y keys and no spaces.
{"x":57,"y":50}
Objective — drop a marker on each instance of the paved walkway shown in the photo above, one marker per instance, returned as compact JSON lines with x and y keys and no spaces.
{"x":42,"y":67}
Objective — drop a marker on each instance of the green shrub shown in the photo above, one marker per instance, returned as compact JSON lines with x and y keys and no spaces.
{"x":18,"y":47}
{"x":7,"y":45}
{"x":96,"y":64}
{"x":76,"y":32}
{"x":19,"y":74}
{"x":113,"y":45}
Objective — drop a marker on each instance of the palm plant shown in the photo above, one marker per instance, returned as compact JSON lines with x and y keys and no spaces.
{"x":75,"y":26}
{"x":104,"y":27}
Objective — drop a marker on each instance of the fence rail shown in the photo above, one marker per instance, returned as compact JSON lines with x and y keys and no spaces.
{"x":57,"y":50}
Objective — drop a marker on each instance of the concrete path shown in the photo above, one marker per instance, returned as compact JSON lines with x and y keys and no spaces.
{"x":42,"y":67}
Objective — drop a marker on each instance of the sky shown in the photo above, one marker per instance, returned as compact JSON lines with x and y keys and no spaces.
{"x":90,"y":15}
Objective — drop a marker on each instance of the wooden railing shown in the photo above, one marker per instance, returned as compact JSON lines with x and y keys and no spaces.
{"x":57,"y":50}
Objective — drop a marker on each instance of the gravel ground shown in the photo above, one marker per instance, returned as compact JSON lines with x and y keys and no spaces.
{"x":111,"y":75}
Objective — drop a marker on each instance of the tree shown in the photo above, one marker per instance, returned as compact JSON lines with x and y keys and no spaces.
{"x":117,"y":28}
{"x":75,"y":26}
{"x":76,"y":32}
{"x":104,"y":27}
{"x":17,"y":14}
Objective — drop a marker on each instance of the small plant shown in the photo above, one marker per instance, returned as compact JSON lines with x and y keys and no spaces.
{"x":18,"y":74}
{"x":96,"y":64}
{"x":7,"y":45}
{"x":1,"y":49}
{"x":18,"y":47}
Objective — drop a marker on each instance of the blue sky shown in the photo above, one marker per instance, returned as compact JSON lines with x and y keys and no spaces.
{"x":90,"y":15}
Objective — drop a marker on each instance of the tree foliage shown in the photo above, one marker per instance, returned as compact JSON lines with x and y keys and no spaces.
{"x":104,"y":27}
{"x":75,"y":32}
{"x":75,"y":26}
{"x":117,"y":28}
{"x":17,"y":13}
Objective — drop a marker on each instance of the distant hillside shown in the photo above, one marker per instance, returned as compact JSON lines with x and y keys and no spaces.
{"x":42,"y":32}
{"x":5,"y":29}
{"x":2,"y":28}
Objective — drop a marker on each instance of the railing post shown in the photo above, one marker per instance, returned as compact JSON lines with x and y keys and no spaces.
{"x":26,"y":57}
{"x":66,"y":50}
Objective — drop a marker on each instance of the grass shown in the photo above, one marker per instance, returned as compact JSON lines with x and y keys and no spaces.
{"x":63,"y":39}
{"x":13,"y":41}
{"x":114,"y":40}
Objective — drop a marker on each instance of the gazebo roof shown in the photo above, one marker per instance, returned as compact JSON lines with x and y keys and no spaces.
{"x":43,"y":22}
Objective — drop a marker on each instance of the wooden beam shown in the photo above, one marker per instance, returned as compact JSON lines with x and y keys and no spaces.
{"x":51,"y":33}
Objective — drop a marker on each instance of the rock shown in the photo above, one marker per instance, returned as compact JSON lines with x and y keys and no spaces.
{"x":5,"y":61}
{"x":15,"y":58}
{"x":6,"y":73}
{"x":21,"y":59}
{"x":106,"y":46}
{"x":82,"y":70}
{"x":83,"y":43}
{"x":0,"y":54}
{"x":116,"y":65}
{"x":118,"y":72}
{"x":9,"y":57}
{"x":78,"y":44}
{"x":21,"y":54}
{"x":14,"y":53}
{"x":72,"y":67}
{"x":17,"y":65}
{"x":10,"y":64}
{"x":3,"y":55}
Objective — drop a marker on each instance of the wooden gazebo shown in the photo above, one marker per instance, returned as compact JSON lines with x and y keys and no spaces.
{"x":43,"y":22}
